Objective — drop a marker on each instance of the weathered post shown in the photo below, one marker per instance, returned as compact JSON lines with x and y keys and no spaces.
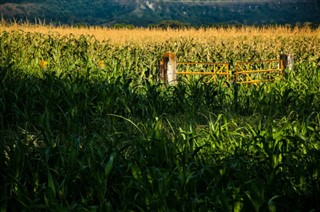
{"x":288,"y":61}
{"x":168,"y":65}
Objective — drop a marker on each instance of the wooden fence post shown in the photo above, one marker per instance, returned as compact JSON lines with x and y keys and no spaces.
{"x":168,"y":65}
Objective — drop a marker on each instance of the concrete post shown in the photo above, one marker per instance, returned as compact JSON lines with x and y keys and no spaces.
{"x":288,"y":61}
{"x":168,"y":66}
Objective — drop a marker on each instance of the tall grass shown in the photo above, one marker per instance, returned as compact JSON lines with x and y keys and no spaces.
{"x":142,"y":36}
{"x":78,"y":135}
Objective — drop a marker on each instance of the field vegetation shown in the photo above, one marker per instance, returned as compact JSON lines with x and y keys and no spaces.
{"x":85,"y":124}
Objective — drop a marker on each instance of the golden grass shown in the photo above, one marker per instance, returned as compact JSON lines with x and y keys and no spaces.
{"x":142,"y":35}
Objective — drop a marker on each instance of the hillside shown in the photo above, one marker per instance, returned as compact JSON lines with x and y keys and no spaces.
{"x":146,"y":12}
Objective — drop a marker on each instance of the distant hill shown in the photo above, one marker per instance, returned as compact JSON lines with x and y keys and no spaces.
{"x":153,"y":12}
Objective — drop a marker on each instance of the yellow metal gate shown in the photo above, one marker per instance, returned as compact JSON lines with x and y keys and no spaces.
{"x":258,"y":71}
{"x":217,"y":70}
{"x":244,"y":73}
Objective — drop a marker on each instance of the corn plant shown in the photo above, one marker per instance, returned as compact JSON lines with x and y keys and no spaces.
{"x":86,"y":125}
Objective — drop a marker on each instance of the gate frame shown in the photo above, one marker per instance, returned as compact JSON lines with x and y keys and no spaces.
{"x":168,"y":69}
{"x":246,"y":72}
{"x":219,"y":68}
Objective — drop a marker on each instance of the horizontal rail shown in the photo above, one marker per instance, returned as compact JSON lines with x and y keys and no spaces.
{"x":201,"y":63}
{"x":260,"y":61}
{"x":258,"y":71}
{"x":254,"y":81}
{"x":203,"y":73}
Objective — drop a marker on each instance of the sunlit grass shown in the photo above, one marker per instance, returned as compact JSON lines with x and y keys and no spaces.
{"x":143,"y":36}
{"x":85,"y":124}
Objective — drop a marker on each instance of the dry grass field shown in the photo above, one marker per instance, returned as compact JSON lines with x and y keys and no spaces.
{"x":143,"y":36}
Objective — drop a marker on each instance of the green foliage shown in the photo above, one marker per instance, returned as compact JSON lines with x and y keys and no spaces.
{"x":172,"y":24}
{"x":78,"y":134}
{"x":144,"y":13}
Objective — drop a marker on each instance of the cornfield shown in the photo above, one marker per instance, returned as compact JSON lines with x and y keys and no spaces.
{"x":86,"y":125}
